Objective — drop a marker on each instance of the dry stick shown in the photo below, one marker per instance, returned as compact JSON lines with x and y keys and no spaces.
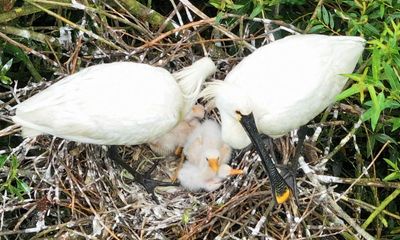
{"x":341,"y":144}
{"x":96,"y":215}
{"x":27,"y":49}
{"x":69,"y":224}
{"x":368,"y":207}
{"x":166,"y":34}
{"x":28,"y":34}
{"x":144,"y":13}
{"x":90,"y":33}
{"x":268,"y":21}
{"x":369,"y":166}
{"x":330,"y":202}
{"x":119,"y":18}
{"x":23,"y":11}
{"x":380,"y":208}
{"x":189,"y":5}
{"x":368,"y":182}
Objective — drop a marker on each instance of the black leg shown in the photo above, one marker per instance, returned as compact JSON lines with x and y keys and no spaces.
{"x":294,"y":165}
{"x":144,"y":179}
{"x":286,"y":171}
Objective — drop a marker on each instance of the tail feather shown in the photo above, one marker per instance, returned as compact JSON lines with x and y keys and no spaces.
{"x":190,"y":80}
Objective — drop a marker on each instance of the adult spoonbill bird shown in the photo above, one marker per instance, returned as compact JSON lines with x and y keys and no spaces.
{"x":121,"y":103}
{"x":280,"y":87}
{"x":207,"y":157}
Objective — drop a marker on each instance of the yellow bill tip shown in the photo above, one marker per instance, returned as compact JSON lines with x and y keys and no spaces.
{"x":281,"y":198}
{"x":213,"y":163}
{"x":234,"y":172}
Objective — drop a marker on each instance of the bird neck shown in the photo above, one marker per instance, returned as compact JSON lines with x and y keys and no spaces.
{"x":191,"y":78}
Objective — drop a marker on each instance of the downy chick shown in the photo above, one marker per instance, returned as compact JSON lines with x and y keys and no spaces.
{"x":207,"y":156}
{"x":173,"y":141}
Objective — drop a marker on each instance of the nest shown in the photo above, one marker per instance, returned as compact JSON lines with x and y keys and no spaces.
{"x":76,"y":192}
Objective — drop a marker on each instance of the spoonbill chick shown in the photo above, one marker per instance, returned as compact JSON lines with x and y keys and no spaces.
{"x":207,"y":136}
{"x":280,"y":87}
{"x":207,"y":156}
{"x":121,"y":103}
{"x":205,"y":174}
{"x":174,"y":140}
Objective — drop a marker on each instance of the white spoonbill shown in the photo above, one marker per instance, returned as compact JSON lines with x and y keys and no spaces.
{"x":207,"y":156}
{"x":121,"y":103}
{"x":280,"y":87}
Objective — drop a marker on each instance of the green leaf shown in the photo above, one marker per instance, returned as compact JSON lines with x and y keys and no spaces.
{"x":3,"y":160}
{"x":396,"y":124}
{"x":391,"y":163}
{"x":186,"y":216}
{"x":319,"y":16}
{"x":257,"y":10}
{"x":376,"y":63}
{"x":23,"y":186}
{"x":331,"y":21}
{"x":316,"y":28}
{"x":218,"y":18}
{"x":235,"y":6}
{"x":392,"y":176}
{"x":372,"y":29}
{"x":391,"y":76}
{"x":6,"y":67}
{"x":215,"y":3}
{"x":367,"y":115}
{"x":376,"y":110}
{"x":355,"y":88}
{"x":383,"y":138}
{"x":325,"y":15}
{"x":5,"y":80}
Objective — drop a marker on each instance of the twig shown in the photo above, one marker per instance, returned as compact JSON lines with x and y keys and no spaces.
{"x":23,"y":11}
{"x":358,"y":181}
{"x":146,"y":14}
{"x":90,"y":33}
{"x":380,"y":208}
{"x":28,"y":34}
{"x":189,"y":5}
{"x":329,"y":202}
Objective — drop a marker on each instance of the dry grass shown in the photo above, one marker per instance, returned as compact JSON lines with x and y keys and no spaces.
{"x":78,"y":193}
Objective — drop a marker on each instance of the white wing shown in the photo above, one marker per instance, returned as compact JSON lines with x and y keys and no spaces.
{"x":116,"y":103}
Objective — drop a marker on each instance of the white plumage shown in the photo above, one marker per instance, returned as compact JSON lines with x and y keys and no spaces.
{"x":285,"y":84}
{"x":174,"y":140}
{"x":207,"y":156}
{"x":120,"y":103}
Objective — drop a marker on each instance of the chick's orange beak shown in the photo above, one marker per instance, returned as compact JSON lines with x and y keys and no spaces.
{"x":234,"y":172}
{"x":213,"y":163}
